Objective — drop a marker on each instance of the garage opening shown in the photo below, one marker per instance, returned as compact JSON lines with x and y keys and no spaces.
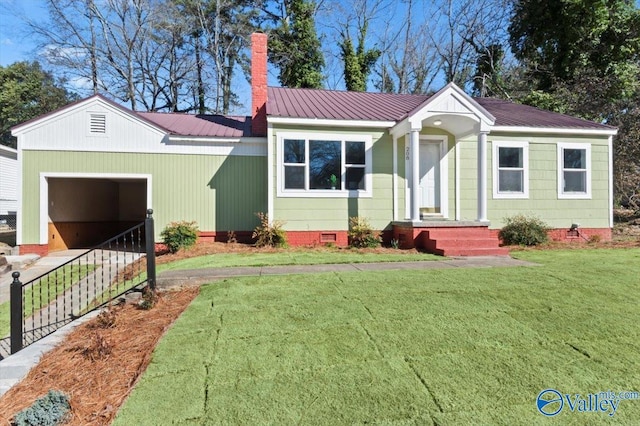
{"x":84,"y":212}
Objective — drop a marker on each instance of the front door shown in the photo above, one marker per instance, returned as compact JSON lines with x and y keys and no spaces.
{"x":430,"y":177}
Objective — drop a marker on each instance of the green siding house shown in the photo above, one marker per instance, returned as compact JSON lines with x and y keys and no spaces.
{"x":437,"y":171}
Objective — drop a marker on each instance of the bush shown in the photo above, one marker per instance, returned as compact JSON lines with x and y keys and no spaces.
{"x":178,"y":235}
{"x":361,"y":235}
{"x":269,"y":234}
{"x":524,"y":230}
{"x":50,"y":410}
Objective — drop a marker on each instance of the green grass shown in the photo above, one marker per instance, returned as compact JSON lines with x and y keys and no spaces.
{"x":293,"y":257}
{"x":442,"y":346}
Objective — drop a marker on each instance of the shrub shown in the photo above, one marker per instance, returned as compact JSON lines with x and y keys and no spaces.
{"x":149,"y":299}
{"x":524,"y":230}
{"x":361,"y":235}
{"x":49,"y":410}
{"x":178,"y":235}
{"x":269,"y":234}
{"x":231,"y":237}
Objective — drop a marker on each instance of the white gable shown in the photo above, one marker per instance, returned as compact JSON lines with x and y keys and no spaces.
{"x":93,"y":124}
{"x":463,"y":114}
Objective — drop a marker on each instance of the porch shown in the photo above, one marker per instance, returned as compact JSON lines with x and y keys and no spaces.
{"x":448,"y":237}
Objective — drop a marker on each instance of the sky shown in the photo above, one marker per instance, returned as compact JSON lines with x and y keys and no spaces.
{"x":16,"y":44}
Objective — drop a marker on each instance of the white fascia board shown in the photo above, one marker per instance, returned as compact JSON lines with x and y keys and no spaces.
{"x":554,"y":130}
{"x":8,"y":149}
{"x":209,"y":139}
{"x":331,"y":122}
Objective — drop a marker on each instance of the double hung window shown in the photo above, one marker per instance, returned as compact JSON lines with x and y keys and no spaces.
{"x":324,"y":164}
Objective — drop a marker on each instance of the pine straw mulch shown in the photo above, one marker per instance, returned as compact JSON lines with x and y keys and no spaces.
{"x":100,"y":361}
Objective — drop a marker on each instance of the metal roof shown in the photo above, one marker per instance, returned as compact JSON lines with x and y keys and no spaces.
{"x":510,"y":114}
{"x":342,"y":105}
{"x":203,"y":125}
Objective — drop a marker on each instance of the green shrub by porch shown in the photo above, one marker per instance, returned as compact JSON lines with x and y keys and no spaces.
{"x":524,"y":230}
{"x":179,"y":235}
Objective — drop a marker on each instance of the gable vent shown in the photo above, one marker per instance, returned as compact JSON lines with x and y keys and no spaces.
{"x":98,"y":123}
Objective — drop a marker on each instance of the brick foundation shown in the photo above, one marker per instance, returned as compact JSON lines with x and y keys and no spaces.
{"x":581,"y":235}
{"x":39,"y":249}
{"x":311,"y":238}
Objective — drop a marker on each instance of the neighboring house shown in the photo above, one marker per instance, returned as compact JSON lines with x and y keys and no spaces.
{"x":438,"y":171}
{"x":8,"y":185}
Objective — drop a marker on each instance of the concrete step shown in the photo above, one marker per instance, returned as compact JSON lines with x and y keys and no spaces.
{"x":498,"y":251}
{"x":458,"y":233}
{"x":443,"y":243}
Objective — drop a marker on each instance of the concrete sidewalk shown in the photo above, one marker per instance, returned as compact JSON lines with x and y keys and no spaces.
{"x":15,"y":367}
{"x":168,"y":279}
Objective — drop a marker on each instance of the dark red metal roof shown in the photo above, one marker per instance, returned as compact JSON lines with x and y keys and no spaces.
{"x":201,"y":125}
{"x":511,"y":114}
{"x":342,"y":105}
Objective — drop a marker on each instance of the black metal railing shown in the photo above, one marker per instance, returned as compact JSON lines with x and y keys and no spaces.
{"x":83,"y":284}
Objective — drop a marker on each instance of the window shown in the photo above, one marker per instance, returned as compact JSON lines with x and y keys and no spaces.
{"x":574,"y":170}
{"x":324,"y":165}
{"x":510,"y":170}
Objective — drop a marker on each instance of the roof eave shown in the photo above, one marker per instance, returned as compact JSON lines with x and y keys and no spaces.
{"x":215,"y":139}
{"x":556,"y":130}
{"x":325,"y":122}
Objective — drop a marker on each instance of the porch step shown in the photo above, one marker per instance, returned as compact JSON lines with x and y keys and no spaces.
{"x":429,"y":243}
{"x":475,"y":232}
{"x":477,"y":251}
{"x":462,"y":241}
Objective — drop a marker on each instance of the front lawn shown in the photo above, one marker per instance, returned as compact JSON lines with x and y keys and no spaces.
{"x":441,"y":346}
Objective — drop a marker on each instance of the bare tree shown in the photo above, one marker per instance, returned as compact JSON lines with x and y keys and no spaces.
{"x":409,"y":63}
{"x":69,"y":39}
{"x":463,"y":31}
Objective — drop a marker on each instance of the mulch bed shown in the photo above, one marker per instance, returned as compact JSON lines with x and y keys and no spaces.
{"x":100,"y":361}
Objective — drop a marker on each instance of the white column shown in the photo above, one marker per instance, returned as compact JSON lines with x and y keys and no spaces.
{"x":394,"y":179}
{"x":415,"y":175}
{"x":482,"y":176}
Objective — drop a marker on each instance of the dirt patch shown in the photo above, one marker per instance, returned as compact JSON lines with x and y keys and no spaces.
{"x":99,"y":362}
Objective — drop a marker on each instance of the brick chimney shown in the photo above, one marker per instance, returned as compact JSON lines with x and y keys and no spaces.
{"x":258,"y":84}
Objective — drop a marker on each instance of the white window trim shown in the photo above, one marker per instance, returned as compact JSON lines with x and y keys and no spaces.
{"x":573,"y":195}
{"x":496,"y":172}
{"x":324,"y":193}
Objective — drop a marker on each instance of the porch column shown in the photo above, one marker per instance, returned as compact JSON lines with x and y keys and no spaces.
{"x":482,"y":177}
{"x":415,"y":175}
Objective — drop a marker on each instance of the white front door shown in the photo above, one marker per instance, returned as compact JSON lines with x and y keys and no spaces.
{"x":430,"y":177}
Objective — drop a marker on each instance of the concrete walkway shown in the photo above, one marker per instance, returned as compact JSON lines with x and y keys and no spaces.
{"x":15,"y":367}
{"x":167,"y":279}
